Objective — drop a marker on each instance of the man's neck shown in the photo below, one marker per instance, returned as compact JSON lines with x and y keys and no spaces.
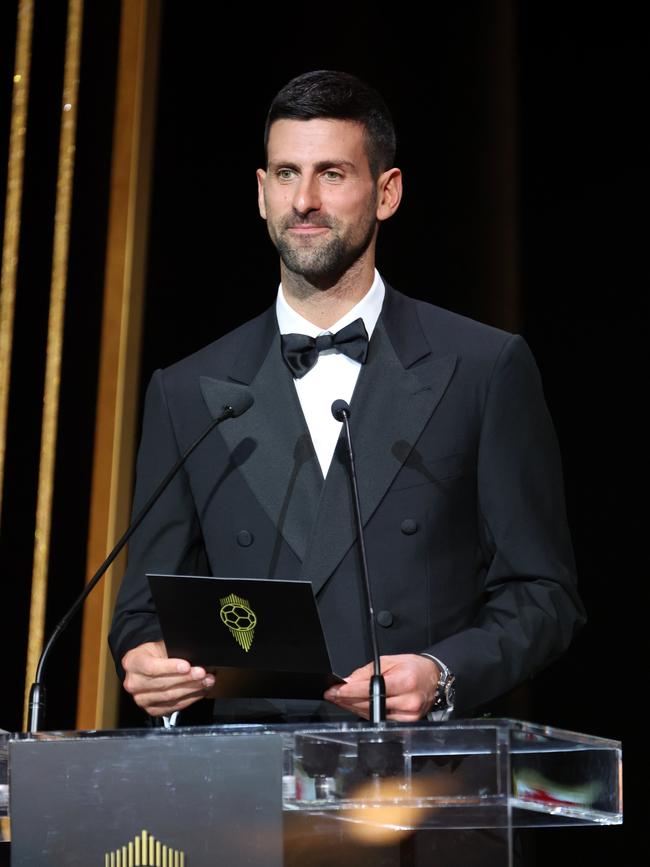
{"x":325,"y":305}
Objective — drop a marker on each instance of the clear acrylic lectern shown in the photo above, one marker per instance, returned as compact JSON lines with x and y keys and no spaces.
{"x":439,"y":793}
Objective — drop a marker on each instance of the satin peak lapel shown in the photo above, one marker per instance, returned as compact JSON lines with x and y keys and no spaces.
{"x":390,"y":405}
{"x":271,"y":446}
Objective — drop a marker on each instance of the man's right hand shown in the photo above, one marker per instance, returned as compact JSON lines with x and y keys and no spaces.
{"x":161,"y":685}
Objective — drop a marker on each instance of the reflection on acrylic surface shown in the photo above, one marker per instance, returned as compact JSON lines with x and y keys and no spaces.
{"x":530,"y":785}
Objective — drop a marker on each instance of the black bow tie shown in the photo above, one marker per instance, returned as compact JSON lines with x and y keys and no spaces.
{"x":300,"y":352}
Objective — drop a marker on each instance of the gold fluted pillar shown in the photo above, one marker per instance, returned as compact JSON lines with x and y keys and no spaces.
{"x":13,"y":204}
{"x":54,"y":350}
{"x":120,"y":346}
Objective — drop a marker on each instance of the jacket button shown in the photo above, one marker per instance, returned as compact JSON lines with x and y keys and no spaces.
{"x":409,"y":526}
{"x":385,"y":619}
{"x":244,"y":538}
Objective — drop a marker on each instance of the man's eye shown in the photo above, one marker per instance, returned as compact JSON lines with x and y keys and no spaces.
{"x":333,"y":175}
{"x":285,"y":174}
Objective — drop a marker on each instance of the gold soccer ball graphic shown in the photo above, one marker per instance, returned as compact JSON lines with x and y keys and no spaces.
{"x":238,"y":617}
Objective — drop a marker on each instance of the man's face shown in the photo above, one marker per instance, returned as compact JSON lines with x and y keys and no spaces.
{"x":318,"y":196}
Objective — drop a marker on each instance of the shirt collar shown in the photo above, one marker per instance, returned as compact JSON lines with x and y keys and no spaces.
{"x":368,"y":309}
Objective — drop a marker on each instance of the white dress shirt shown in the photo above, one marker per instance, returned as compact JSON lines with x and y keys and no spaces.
{"x":334,"y":375}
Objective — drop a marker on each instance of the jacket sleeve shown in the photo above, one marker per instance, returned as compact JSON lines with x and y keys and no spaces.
{"x":168,"y":541}
{"x":530,"y":607}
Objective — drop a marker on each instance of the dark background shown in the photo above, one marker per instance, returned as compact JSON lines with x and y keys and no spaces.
{"x":576,"y":75}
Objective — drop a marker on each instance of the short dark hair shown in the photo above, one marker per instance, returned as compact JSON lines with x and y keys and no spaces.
{"x":329,"y":94}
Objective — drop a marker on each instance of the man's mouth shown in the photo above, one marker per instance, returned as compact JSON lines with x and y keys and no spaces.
{"x":307,"y":229}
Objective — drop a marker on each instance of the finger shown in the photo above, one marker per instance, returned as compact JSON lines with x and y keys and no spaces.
{"x":168,"y":709}
{"x":401,"y":680}
{"x":412,"y":704}
{"x":356,"y":689}
{"x":359,"y":704}
{"x":362,"y":709}
{"x":156,"y":666}
{"x":406,"y":708}
{"x":139,"y":683}
{"x":168,"y":697}
{"x":362,"y":673}
{"x":406,"y":679}
{"x":402,"y":706}
{"x":386,"y":663}
{"x":403,"y":717}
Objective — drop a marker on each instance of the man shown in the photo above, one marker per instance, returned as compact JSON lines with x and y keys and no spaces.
{"x":461,"y":491}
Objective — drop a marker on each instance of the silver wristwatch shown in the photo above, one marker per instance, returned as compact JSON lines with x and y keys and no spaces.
{"x":443,"y":700}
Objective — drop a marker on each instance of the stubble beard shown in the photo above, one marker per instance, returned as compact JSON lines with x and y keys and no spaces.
{"x":322,"y":261}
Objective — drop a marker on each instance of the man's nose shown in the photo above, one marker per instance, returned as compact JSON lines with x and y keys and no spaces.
{"x":307,"y":196}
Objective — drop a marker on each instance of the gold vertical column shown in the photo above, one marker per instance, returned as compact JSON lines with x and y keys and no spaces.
{"x":54,"y":340}
{"x":118,"y":390}
{"x":13,"y":201}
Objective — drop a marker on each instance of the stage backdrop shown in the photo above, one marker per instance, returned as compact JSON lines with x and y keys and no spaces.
{"x":130,"y":238}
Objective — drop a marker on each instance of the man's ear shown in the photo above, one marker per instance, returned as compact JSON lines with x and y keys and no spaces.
{"x":261,"y":204}
{"x":389,"y":189}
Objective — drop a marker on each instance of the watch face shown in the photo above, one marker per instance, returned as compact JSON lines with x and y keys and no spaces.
{"x":445,"y":691}
{"x":445,"y":694}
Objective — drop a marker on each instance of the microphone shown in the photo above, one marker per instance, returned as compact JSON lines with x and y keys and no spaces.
{"x":238,"y":400}
{"x":341,"y":410}
{"x":377,"y":698}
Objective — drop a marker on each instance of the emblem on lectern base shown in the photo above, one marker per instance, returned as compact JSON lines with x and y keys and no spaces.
{"x":145,"y":851}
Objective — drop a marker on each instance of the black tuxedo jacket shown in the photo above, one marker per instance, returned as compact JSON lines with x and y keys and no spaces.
{"x":460,"y":486}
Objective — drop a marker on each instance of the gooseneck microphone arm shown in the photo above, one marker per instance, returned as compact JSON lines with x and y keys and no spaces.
{"x":37,"y":692}
{"x":377,"y":699}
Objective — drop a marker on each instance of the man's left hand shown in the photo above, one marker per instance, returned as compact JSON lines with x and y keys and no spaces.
{"x":411,"y":682}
